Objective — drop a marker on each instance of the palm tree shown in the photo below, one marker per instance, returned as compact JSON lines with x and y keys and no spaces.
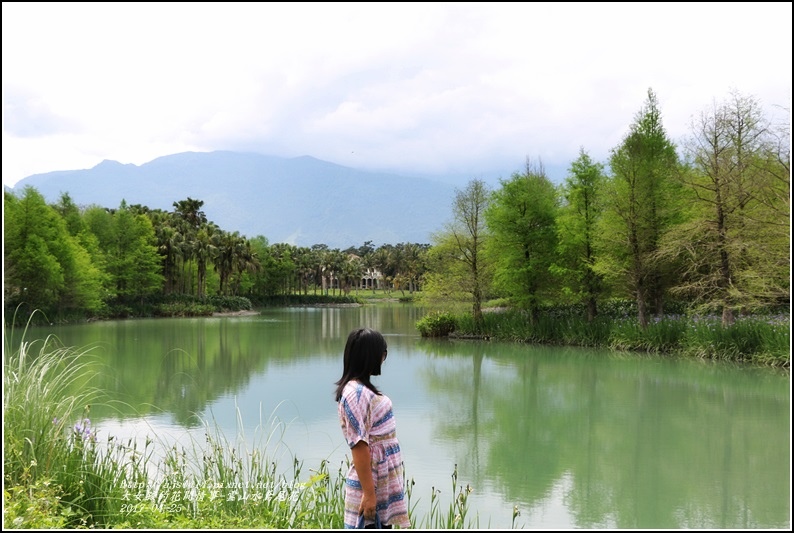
{"x":352,"y":270}
{"x":227,"y":247}
{"x":169,"y":242}
{"x":190,"y":211}
{"x":246,"y":261}
{"x":204,"y":251}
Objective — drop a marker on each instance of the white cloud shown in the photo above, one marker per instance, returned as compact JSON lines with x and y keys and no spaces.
{"x":416,"y":88}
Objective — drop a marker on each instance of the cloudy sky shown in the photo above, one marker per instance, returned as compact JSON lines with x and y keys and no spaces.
{"x":438,"y":89}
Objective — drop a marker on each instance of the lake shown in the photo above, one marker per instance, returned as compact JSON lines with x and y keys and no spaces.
{"x":574,"y":438}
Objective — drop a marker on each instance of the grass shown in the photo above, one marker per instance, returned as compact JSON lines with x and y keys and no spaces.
{"x":762,"y":340}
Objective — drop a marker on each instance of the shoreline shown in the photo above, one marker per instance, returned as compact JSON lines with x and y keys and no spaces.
{"x":237,"y":313}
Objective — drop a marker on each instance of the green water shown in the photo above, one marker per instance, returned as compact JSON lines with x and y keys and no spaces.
{"x":574,"y":438}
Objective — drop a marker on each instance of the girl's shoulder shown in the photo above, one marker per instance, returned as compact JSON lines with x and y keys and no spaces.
{"x":356,"y":389}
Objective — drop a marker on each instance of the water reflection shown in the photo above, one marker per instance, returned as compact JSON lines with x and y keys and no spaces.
{"x":575,"y":438}
{"x":633,"y":442}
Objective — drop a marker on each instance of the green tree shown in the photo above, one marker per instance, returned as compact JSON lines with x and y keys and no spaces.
{"x":306,"y":266}
{"x":577,"y":231}
{"x":246,"y":265}
{"x":229,"y":250}
{"x":387,"y":260}
{"x":414,"y":264}
{"x":44,"y":266}
{"x":275,"y":267}
{"x":203,"y":250}
{"x":370,"y":268}
{"x":350,"y":275}
{"x":78,"y":228}
{"x":282,"y":268}
{"x":522,"y":220}
{"x":456,"y":259}
{"x":334,"y":264}
{"x":132,"y":258}
{"x":70,"y":214}
{"x":641,"y":207}
{"x":190,"y":211}
{"x":170,"y":247}
{"x":734,"y":249}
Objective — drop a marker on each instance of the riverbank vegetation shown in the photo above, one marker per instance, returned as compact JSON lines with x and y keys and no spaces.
{"x":695,"y":237}
{"x":761,"y":339}
{"x":62,"y":471}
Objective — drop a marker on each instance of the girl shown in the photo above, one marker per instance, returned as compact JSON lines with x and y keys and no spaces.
{"x":375,"y":483}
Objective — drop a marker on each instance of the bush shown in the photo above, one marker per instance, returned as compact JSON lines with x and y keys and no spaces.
{"x":36,"y":506}
{"x":436,"y":324}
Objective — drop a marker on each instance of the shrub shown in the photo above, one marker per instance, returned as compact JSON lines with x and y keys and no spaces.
{"x":436,"y":324}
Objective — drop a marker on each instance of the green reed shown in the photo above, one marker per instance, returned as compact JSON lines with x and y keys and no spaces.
{"x":50,"y":448}
{"x":453,"y":516}
{"x":757,"y":339}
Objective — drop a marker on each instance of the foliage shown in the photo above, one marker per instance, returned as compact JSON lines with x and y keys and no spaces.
{"x":34,"y":506}
{"x":436,"y":324}
{"x":308,"y":299}
{"x":77,"y":264}
{"x":42,"y":394}
{"x":457,"y":264}
{"x":733,"y":250}
{"x":522,"y":220}
{"x":132,"y":260}
{"x":759,"y":339}
{"x":46,"y":268}
{"x":641,"y":206}
{"x":577,"y":233}
{"x":714,"y":231}
{"x":187,"y":305}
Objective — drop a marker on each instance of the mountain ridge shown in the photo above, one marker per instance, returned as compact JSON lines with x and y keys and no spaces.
{"x":301,"y":201}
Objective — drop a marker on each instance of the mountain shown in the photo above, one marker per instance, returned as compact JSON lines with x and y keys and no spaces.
{"x":301,"y":201}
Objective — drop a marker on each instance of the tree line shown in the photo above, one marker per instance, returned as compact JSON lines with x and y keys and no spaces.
{"x":707,"y":223}
{"x":69,"y":260}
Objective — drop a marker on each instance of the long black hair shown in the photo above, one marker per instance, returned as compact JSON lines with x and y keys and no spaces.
{"x":364,"y":353}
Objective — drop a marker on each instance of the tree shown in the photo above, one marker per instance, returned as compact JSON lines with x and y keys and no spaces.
{"x":640,"y":209}
{"x":169,"y":246}
{"x":203,"y":251}
{"x":190,"y":211}
{"x":246,"y":265}
{"x":456,"y":262}
{"x":414,"y":264}
{"x":522,"y":220}
{"x":576,"y":225}
{"x":735,"y":247}
{"x":229,"y":247}
{"x":286,"y":267}
{"x":44,"y":266}
{"x":70,"y":214}
{"x":133,"y":260}
{"x":350,"y":275}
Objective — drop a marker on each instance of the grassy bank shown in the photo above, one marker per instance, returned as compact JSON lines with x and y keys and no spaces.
{"x":59,"y":472}
{"x":760,"y":339}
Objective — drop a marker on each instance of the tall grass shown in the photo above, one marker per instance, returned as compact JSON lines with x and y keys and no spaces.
{"x":759,"y":340}
{"x":661,"y":336}
{"x":765,"y":340}
{"x":59,"y":474}
{"x":50,"y":449}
